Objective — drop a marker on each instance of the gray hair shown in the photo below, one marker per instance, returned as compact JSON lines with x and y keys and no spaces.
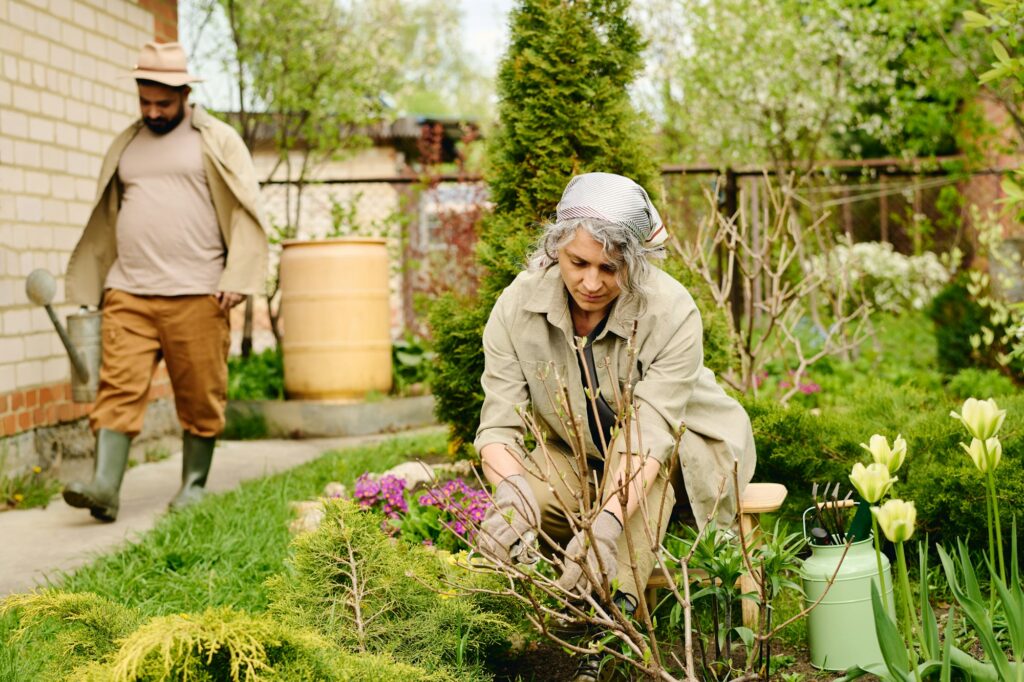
{"x":620,"y":243}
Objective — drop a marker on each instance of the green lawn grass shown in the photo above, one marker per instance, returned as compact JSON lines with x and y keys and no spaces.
{"x":219,"y":553}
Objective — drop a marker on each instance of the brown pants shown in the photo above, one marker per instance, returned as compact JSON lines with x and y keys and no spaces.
{"x":556,"y":485}
{"x":190,"y":333}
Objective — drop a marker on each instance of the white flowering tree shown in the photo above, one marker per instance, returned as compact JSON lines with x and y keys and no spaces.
{"x":788,"y":81}
{"x":889,"y":280}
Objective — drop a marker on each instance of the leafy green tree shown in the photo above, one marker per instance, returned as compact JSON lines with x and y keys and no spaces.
{"x":929,"y":87}
{"x":308,"y":74}
{"x":564,"y":109}
{"x":439,"y":77}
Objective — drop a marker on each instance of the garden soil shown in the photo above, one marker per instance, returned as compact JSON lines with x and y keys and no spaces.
{"x":36,"y":543}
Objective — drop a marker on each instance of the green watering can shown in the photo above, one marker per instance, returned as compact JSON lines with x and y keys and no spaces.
{"x":841,"y":628}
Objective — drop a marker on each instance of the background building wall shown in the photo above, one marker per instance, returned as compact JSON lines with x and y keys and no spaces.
{"x":63,"y":97}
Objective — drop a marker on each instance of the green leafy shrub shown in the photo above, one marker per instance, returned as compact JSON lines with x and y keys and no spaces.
{"x":798,"y":447}
{"x":946,"y":487}
{"x":364,"y":591}
{"x":972,"y":382}
{"x":458,"y":326}
{"x":958,"y":316}
{"x":258,"y":377}
{"x":412,"y":364}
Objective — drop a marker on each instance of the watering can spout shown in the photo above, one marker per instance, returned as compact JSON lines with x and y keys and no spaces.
{"x":80,"y":339}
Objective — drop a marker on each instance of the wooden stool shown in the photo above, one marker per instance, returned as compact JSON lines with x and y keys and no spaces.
{"x":757,"y":498}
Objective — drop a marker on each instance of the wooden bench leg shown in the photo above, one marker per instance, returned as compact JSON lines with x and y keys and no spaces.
{"x":757,"y":498}
{"x":651,"y":595}
{"x":749,"y":526}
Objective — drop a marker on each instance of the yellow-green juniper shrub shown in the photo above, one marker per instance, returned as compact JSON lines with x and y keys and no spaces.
{"x":365,"y":591}
{"x":98,"y":641}
{"x":67,"y":630}
{"x":224,"y":644}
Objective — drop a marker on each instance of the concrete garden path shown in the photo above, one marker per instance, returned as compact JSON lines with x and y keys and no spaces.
{"x":35,"y":543}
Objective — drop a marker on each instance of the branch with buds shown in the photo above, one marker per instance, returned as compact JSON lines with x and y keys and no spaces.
{"x":778,"y":290}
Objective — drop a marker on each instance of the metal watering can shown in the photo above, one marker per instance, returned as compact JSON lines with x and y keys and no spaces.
{"x":82,"y":338}
{"x":841,"y":629}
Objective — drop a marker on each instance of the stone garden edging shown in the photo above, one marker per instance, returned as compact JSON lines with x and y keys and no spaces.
{"x":322,"y":419}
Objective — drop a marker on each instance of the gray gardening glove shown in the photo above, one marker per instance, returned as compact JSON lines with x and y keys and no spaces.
{"x":606,"y":530}
{"x":509,"y":529}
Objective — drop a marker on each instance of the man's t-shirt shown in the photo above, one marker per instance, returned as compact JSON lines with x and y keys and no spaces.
{"x":168,"y":240}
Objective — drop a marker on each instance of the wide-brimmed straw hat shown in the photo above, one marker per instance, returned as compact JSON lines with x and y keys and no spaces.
{"x":163,"y":63}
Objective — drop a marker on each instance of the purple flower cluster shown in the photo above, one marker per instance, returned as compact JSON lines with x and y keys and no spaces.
{"x":463,"y":505}
{"x":385,"y":494}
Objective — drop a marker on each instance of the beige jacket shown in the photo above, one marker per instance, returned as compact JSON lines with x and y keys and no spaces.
{"x":528,"y":340}
{"x":235,"y":193}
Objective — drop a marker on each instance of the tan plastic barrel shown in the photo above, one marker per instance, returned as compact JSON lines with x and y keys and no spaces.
{"x":336,"y":318}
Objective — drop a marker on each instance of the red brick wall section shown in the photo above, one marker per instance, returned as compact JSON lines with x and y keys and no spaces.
{"x":165,"y":19}
{"x":49,"y":405}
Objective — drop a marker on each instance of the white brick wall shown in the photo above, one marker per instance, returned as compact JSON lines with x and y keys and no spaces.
{"x":62,"y":99}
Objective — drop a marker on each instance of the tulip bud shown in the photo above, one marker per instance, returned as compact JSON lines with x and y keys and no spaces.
{"x":871,"y":481}
{"x":892,"y":457}
{"x":981,"y":417}
{"x":897,"y":519}
{"x":986,"y":457}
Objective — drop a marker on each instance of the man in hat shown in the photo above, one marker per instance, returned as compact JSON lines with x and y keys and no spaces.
{"x":173,"y":242}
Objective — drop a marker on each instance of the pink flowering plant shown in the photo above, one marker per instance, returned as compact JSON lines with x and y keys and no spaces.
{"x":386,"y":495}
{"x":789,"y":385}
{"x":446,"y":515}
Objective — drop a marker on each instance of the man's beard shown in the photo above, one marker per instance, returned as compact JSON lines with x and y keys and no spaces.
{"x":162,"y":126}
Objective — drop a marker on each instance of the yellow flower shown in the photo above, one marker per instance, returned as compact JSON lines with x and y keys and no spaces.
{"x":981,"y":417}
{"x":871,"y":481}
{"x":985,"y":461}
{"x":18,"y":497}
{"x":882,"y":453}
{"x":37,"y":470}
{"x":897,"y":519}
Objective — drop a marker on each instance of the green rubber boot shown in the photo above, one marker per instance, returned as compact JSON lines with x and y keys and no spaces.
{"x":196,"y":457}
{"x":102,"y":496}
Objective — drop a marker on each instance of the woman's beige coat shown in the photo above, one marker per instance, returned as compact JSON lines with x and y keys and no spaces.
{"x":528,"y":343}
{"x":234,"y":190}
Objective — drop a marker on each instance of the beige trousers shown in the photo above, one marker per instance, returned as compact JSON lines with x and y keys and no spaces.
{"x":556,"y":484}
{"x":191,"y":333}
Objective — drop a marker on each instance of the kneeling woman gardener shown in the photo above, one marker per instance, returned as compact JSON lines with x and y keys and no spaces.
{"x":592,"y":277}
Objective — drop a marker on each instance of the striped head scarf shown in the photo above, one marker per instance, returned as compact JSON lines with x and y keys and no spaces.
{"x":616,"y":199}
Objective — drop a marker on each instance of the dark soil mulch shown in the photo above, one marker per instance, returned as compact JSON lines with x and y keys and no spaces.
{"x":544,"y":662}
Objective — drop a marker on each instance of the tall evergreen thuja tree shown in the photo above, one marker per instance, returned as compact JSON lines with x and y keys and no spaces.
{"x":564,"y":109}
